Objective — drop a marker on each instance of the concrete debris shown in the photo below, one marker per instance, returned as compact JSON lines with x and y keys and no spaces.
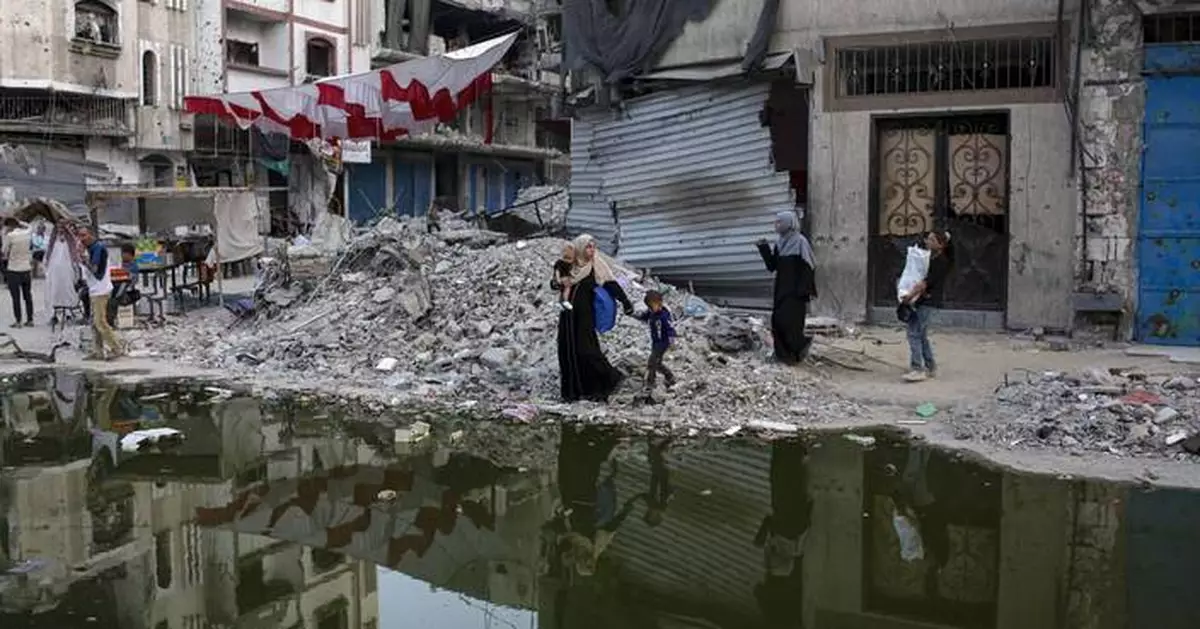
{"x":466,"y":315}
{"x":544,"y":206}
{"x":1127,"y":413}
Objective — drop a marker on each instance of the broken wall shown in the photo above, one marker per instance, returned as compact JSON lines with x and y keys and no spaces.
{"x":1112,"y":102}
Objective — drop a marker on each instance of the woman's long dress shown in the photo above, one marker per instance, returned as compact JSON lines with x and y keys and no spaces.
{"x":585,"y":372}
{"x":794,"y":285}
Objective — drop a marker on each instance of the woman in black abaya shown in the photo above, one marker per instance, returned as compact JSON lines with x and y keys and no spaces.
{"x":584,"y":371}
{"x":791,"y":260}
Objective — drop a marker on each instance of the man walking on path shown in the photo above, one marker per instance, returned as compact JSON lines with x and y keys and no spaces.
{"x":99,"y":283}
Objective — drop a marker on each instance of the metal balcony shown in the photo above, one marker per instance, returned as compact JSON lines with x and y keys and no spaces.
{"x":71,"y":114}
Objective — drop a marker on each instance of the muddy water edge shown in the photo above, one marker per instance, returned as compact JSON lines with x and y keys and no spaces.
{"x":166,"y":505}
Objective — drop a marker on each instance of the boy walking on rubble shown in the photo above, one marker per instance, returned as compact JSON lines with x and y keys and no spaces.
{"x":662,"y":335}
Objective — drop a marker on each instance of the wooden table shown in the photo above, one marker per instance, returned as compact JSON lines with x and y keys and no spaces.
{"x":164,"y":279}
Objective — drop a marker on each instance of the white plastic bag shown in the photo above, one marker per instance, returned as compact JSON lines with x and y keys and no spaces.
{"x":911,"y":547}
{"x":915,"y":269}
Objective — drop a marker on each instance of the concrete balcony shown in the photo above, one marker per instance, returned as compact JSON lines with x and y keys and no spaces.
{"x":34,"y":111}
{"x":163,"y":129}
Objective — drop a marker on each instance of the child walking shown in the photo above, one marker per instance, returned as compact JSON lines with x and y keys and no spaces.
{"x":662,"y":335}
{"x":563,"y":269}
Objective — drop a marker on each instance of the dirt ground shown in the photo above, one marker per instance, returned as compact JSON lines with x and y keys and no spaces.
{"x":971,"y":365}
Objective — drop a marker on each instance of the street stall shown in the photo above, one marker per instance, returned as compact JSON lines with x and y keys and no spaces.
{"x":183,"y":237}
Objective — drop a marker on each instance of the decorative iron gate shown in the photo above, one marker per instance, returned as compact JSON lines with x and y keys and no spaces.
{"x":948,"y":174}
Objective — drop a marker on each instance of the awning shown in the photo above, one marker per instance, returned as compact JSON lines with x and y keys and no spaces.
{"x":804,"y":61}
{"x":406,"y":98}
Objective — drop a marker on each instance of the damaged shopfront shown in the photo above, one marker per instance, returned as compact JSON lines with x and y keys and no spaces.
{"x":683,"y":181}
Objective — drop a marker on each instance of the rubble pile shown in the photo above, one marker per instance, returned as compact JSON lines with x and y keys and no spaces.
{"x":1123,"y":412}
{"x":462,"y":314}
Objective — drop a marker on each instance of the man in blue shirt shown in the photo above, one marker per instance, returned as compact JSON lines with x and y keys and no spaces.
{"x":99,"y":284}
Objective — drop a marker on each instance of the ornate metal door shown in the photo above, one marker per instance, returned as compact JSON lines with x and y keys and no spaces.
{"x":947,"y":174}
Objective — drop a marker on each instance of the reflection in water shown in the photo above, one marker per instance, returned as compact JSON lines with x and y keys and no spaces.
{"x":265,"y":516}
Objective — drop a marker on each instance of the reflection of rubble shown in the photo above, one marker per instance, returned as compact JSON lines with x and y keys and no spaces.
{"x":1115,"y":411}
{"x":461,"y":313}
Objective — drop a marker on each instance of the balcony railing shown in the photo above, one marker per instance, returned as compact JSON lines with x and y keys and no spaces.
{"x":66,"y":113}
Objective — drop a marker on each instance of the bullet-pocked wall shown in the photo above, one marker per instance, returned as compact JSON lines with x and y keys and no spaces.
{"x":1032,"y":216}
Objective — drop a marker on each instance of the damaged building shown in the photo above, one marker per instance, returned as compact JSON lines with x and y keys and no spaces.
{"x":505,"y":139}
{"x":1049,"y":137}
{"x":91,"y":91}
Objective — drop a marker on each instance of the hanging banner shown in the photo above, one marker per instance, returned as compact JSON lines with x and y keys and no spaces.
{"x":356,"y":151}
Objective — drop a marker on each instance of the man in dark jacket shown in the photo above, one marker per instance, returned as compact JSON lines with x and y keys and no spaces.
{"x":791,"y":260}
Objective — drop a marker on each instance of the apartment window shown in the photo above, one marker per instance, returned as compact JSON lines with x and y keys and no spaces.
{"x":976,"y":66}
{"x":319,"y":58}
{"x":1171,"y":28}
{"x":512,"y":129}
{"x":245,"y":53}
{"x":149,"y":78}
{"x":95,"y":22}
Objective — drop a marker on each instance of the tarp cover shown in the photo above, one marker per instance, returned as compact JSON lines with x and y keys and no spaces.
{"x":401,"y":99}
{"x":237,"y":226}
{"x":625,"y":45}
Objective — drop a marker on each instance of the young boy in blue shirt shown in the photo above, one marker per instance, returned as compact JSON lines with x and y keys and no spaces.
{"x":662,"y":335}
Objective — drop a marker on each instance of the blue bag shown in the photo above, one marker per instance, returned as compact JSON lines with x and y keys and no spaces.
{"x":604,"y":309}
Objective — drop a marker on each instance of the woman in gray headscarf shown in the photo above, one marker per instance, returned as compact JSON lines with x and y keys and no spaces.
{"x":791,"y":260}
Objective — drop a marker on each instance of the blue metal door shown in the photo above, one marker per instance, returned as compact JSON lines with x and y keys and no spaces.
{"x":1168,"y":243}
{"x":367,"y":190}
{"x":402,"y":187}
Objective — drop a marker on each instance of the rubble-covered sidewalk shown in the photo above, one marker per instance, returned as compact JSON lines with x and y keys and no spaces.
{"x":1124,"y":412}
{"x":465,"y":316}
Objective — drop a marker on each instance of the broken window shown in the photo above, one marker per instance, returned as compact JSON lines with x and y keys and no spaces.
{"x":149,"y":78}
{"x":95,"y":22}
{"x":319,"y":60}
{"x":397,"y":24}
{"x":244,"y":53}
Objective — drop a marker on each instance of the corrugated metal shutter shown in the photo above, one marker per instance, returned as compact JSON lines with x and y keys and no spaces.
{"x":695,"y":187}
{"x":589,"y":213}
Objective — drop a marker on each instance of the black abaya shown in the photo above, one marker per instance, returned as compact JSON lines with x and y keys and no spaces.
{"x":795,"y":284}
{"x":584,"y":371}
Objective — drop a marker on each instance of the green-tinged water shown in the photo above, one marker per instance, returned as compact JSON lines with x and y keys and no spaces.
{"x":167,"y":506}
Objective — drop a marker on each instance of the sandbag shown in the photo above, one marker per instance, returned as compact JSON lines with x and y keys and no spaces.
{"x":916,"y":267}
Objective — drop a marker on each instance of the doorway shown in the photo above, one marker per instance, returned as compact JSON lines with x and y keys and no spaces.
{"x":944,"y":173}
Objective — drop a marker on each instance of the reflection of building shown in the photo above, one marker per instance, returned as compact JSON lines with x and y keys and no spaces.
{"x":113,"y":536}
{"x":455,"y":521}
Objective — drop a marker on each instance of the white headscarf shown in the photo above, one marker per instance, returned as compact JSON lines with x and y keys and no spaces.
{"x":598,"y":264}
